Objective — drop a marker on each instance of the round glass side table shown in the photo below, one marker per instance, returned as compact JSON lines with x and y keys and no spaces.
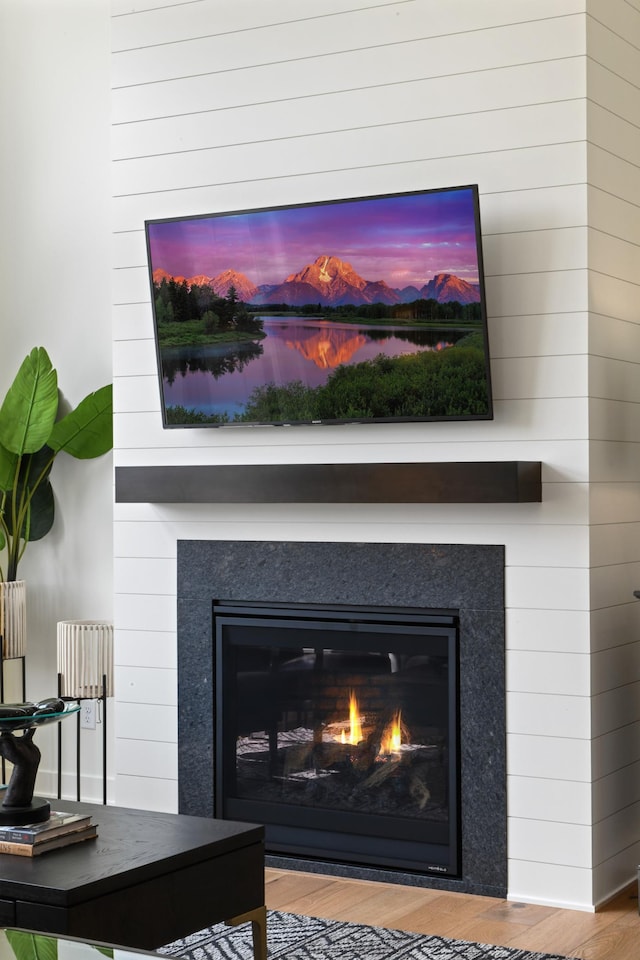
{"x":18,"y":802}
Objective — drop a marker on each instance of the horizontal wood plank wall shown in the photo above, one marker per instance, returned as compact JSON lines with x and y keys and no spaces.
{"x":221,"y":106}
{"x":613,"y":118}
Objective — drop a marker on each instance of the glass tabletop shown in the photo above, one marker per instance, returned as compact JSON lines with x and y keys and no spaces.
{"x":23,"y":716}
{"x":26,"y":945}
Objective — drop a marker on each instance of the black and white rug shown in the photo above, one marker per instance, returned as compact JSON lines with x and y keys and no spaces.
{"x":293,"y":937}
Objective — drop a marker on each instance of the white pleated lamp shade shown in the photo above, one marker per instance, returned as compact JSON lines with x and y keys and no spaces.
{"x":13,"y":618}
{"x":85,"y":656}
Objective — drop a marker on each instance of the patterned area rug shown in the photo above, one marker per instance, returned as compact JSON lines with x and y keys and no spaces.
{"x":292,"y":937}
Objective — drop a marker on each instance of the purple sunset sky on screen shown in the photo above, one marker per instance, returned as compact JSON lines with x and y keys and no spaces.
{"x":402,"y":240}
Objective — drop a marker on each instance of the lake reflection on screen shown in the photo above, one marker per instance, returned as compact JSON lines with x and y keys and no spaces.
{"x":219,"y":378}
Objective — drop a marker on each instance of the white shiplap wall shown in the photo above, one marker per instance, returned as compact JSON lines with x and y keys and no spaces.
{"x":224,"y":105}
{"x":55,"y":276}
{"x":613,"y":126}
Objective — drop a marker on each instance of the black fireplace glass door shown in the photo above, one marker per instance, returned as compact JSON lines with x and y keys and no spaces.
{"x":337,"y":729}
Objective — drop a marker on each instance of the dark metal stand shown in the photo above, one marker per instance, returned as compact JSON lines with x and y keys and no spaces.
{"x":24,"y":692}
{"x":24,"y":679}
{"x":103,"y":700}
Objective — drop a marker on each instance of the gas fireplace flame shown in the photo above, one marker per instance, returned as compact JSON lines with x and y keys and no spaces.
{"x":392,"y":736}
{"x":395,"y":739}
{"x":355,"y":723}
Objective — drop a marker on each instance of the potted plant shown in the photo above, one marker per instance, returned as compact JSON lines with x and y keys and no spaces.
{"x":31,"y":437}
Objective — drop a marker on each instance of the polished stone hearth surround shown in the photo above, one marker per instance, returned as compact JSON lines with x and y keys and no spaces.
{"x":468,"y":579}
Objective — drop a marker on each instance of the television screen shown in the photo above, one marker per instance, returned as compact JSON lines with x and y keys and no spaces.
{"x":362,"y":310}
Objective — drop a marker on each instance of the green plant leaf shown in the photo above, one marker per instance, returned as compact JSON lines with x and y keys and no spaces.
{"x":87,"y":431}
{"x":8,"y":464}
{"x":33,"y":482}
{"x":32,"y":946}
{"x":29,"y":409}
{"x":30,"y":439}
{"x":41,"y":512}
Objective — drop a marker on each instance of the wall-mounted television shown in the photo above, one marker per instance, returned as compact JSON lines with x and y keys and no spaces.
{"x":366,"y":310}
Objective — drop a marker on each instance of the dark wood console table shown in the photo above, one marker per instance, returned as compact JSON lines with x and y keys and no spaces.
{"x":146,"y":880}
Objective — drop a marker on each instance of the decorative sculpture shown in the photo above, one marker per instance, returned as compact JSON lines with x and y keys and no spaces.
{"x":19,"y":805}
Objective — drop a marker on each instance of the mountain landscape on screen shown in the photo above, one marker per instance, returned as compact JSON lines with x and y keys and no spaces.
{"x":343,"y":311}
{"x":330,"y":282}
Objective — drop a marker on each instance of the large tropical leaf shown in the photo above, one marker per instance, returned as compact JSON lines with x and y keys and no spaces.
{"x":29,"y":409}
{"x":38,"y":946}
{"x":8,"y":466}
{"x":34,"y":490}
{"x":87,"y":431}
{"x":41,"y":511}
{"x":32,"y":946}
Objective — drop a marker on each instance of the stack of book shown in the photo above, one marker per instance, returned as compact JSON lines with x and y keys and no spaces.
{"x":60,"y":830}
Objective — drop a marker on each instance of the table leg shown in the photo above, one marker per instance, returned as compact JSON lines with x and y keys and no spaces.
{"x":258,"y":920}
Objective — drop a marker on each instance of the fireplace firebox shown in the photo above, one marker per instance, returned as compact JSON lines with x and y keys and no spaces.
{"x":337,"y":727}
{"x":290,"y":575}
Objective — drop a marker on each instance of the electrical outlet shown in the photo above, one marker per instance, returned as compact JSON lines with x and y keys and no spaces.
{"x":88,"y":715}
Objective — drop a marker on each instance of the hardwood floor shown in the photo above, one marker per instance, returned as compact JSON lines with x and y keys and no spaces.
{"x":613,"y":933}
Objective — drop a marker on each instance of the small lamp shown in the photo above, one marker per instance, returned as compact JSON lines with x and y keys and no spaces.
{"x":13,"y":618}
{"x":85,"y":658}
{"x":85,"y":672}
{"x":13,"y":631}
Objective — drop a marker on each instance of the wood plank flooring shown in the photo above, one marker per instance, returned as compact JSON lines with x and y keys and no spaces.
{"x":613,"y":933}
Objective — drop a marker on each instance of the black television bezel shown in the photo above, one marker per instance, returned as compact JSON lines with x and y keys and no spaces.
{"x":489,"y":415}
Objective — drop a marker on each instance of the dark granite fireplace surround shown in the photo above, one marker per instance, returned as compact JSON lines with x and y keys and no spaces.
{"x":467,"y":579}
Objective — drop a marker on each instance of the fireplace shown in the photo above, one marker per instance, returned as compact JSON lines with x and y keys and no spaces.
{"x":337,"y":727}
{"x":454,"y":592}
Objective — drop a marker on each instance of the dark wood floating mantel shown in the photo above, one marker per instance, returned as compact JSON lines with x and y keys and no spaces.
{"x":496,"y":481}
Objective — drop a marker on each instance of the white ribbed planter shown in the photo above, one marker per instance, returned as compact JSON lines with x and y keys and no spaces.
{"x":13,"y":618}
{"x":85,"y":655}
